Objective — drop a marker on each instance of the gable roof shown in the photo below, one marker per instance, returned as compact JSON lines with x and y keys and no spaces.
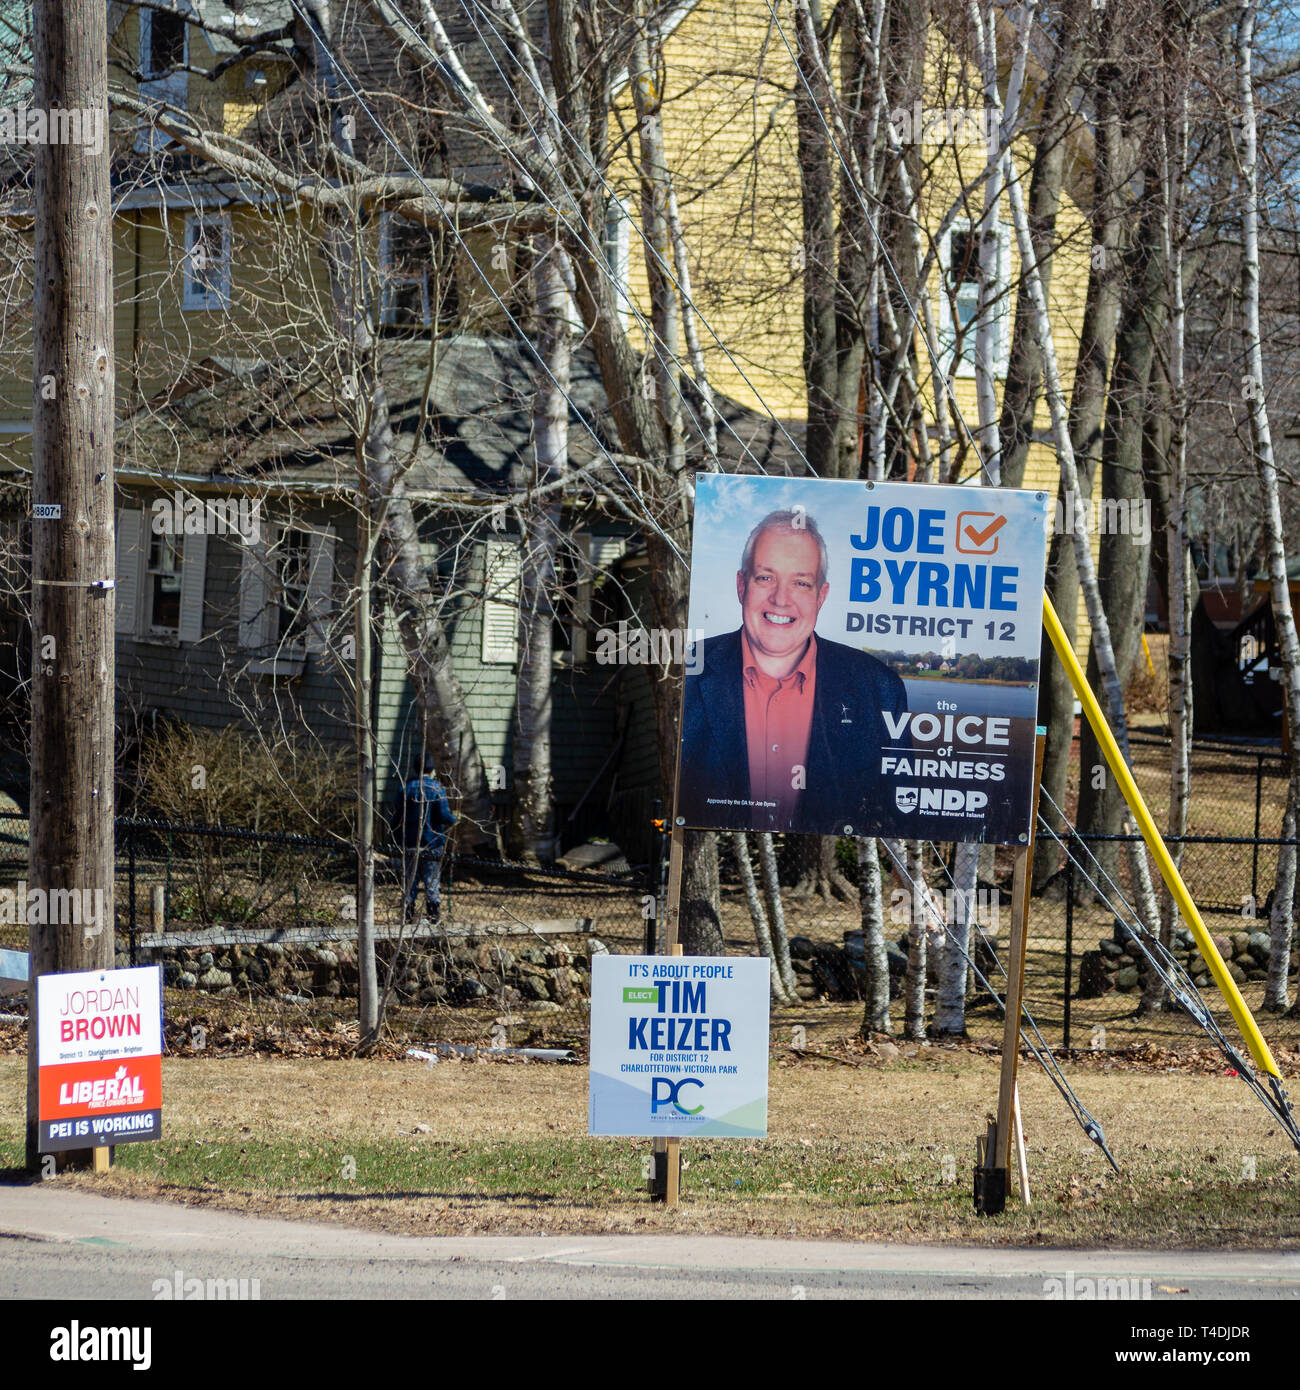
{"x":235,"y":423}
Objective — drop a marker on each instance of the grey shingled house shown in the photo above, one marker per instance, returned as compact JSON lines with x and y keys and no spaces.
{"x":245,"y":629}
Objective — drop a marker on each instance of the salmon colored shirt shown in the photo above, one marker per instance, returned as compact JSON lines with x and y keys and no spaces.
{"x":778,"y":723}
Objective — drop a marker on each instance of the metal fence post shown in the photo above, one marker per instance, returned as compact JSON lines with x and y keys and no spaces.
{"x":1069,"y":943}
{"x":130,"y":888}
{"x":1254,"y":858}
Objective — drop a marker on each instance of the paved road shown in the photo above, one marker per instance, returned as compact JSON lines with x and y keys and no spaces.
{"x":60,"y":1244}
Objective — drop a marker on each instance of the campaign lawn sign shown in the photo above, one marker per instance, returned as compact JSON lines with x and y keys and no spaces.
{"x":679,"y":1046}
{"x":865,"y":658}
{"x":99,"y":1034}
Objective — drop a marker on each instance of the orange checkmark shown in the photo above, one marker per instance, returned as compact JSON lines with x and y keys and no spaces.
{"x":979,"y":538}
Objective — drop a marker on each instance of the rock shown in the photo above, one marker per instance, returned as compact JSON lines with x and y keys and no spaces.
{"x":1237,"y":972}
{"x":464,"y":957}
{"x":1094,"y":979}
{"x":1184,"y":937}
{"x":1247,"y":961}
{"x":1201,"y":980}
{"x":1112,"y":949}
{"x":322,"y":955}
{"x":888,"y":1052}
{"x":534,"y":987}
{"x":271,"y":950}
{"x":542,"y":1006}
{"x":1126,"y":979}
{"x":433,"y":994}
{"x":803,"y":946}
{"x":206,"y":961}
{"x":171,"y":972}
{"x":805,"y":991}
{"x":213,"y":978}
{"x":1223,"y":944}
{"x":1260,"y":946}
{"x":596,"y":947}
{"x":186,"y":980}
{"x":468,"y":990}
{"x":1240,"y":942}
{"x":534,"y":955}
{"x":503,"y":960}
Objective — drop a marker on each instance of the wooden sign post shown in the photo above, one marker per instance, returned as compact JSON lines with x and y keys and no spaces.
{"x":993,"y":1165}
{"x":666,"y":1174}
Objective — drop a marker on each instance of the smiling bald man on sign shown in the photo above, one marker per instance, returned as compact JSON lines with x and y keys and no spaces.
{"x":781,"y":729}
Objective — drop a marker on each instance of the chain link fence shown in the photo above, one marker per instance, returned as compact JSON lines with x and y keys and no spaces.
{"x":256,"y":932}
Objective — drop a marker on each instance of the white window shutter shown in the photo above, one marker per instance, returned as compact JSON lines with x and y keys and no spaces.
{"x":254,"y":614}
{"x":130,"y":536}
{"x":320,"y":589}
{"x":582,"y":544}
{"x":501,"y":604}
{"x":194,"y":569}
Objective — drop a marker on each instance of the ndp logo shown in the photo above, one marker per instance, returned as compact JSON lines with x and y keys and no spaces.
{"x":665,"y":1091}
{"x":940,"y":801}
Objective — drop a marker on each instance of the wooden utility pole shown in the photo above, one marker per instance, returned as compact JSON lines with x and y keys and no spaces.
{"x":71,"y":839}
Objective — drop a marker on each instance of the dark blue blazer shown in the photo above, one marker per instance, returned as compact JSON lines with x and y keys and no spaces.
{"x":844,"y":785}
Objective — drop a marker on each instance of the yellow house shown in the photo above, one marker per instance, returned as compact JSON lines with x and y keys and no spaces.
{"x":728,"y":120}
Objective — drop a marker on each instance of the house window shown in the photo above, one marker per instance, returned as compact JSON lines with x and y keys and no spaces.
{"x":207,"y":260}
{"x":959,"y":303}
{"x":165,"y":43}
{"x":417,"y":276}
{"x":160,"y":580}
{"x":286,"y":596}
{"x":291,"y":558}
{"x":162,"y":594}
{"x":616,"y":244}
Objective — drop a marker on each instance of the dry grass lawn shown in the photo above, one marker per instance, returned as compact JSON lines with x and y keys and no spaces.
{"x":881,"y":1151}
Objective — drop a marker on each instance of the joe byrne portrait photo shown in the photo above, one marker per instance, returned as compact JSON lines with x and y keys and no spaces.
{"x":783,"y":728}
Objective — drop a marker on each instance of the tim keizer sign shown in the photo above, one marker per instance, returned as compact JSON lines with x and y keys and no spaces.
{"x":866,"y":658}
{"x":679,"y":1046}
{"x":100,"y":1040}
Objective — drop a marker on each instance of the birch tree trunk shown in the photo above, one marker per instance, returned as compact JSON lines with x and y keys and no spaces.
{"x":536,"y":675}
{"x":1103,"y":649}
{"x":950,"y":1005}
{"x":776,"y":910}
{"x":914,"y":989}
{"x":757,"y":913}
{"x":1177,"y":551}
{"x":1253,"y":384}
{"x":1113,"y":167}
{"x":875,"y":1016}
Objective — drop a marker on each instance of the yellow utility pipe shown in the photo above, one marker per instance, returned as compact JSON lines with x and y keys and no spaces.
{"x":1168,"y":869}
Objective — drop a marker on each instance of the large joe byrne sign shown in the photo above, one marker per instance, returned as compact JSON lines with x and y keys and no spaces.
{"x":865,"y":658}
{"x":679,"y":1046}
{"x":100,"y":1039}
